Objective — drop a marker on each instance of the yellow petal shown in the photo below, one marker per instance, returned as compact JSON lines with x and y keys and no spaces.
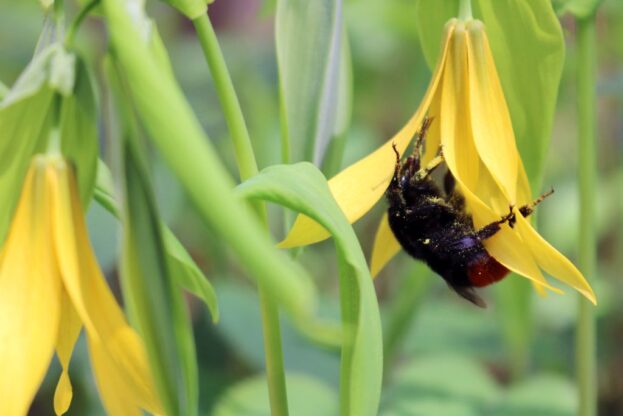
{"x":552,"y":261}
{"x":358,"y":187}
{"x":116,"y":398}
{"x":385,"y":247}
{"x":29,"y":298}
{"x":68,"y":332}
{"x":491,"y":124}
{"x":455,"y":128}
{"x":104,"y":321}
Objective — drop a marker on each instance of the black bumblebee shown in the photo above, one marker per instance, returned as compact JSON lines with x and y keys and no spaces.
{"x":434,"y":226}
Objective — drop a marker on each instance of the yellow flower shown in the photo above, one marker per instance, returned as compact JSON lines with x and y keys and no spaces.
{"x":50,"y":286}
{"x":472,"y":123}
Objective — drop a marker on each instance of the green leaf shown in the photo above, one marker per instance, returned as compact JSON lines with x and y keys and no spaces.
{"x":176,"y":132}
{"x":431,"y":16}
{"x":25,"y":122}
{"x":528,"y":49}
{"x":441,"y":378}
{"x":153,"y":298}
{"x":78,"y":129}
{"x":188,"y":274}
{"x":308,"y":38}
{"x":427,"y":407}
{"x":307,"y":397}
{"x":181,"y":265}
{"x":542,"y":395}
{"x":332,"y":162}
{"x":581,"y":9}
{"x":3,"y":90}
{"x":303,"y":188}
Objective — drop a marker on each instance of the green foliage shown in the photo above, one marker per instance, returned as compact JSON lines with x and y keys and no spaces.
{"x":449,"y":385}
{"x":241,"y":327}
{"x":154,"y":300}
{"x":303,"y":188}
{"x":308,"y":37}
{"x":78,"y":130}
{"x":181,"y":265}
{"x":190,"y":8}
{"x":309,"y":397}
{"x":166,"y":114}
{"x":541,"y":395}
{"x":26,"y":120}
{"x":581,"y":9}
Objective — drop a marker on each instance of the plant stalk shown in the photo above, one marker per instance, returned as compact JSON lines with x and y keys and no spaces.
{"x":465,"y":10}
{"x":586,"y":365}
{"x":247,"y":167}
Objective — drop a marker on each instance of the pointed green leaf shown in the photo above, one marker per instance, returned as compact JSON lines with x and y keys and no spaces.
{"x":332,"y":161}
{"x":528,"y":49}
{"x":303,"y":188}
{"x":308,"y":37}
{"x":188,"y":274}
{"x":78,"y":128}
{"x":153,"y":298}
{"x":182,"y":267}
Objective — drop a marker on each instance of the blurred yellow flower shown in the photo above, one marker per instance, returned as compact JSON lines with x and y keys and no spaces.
{"x":50,"y":286}
{"x":473,"y":125}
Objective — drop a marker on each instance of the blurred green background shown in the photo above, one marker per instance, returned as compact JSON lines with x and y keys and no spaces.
{"x":443,"y":356}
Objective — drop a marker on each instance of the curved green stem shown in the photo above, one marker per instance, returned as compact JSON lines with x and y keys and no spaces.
{"x":75,"y":25}
{"x":585,"y":339}
{"x":247,"y":166}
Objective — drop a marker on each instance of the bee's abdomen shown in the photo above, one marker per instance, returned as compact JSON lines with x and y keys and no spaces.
{"x":486,"y":271}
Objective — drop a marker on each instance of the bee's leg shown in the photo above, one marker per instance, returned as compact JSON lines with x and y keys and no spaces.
{"x":529,"y":208}
{"x":490,"y":230}
{"x":418,"y":147}
{"x":432,"y":165}
{"x":394,"y":191}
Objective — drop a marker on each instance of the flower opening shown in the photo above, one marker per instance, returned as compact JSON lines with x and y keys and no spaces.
{"x":51,"y":286}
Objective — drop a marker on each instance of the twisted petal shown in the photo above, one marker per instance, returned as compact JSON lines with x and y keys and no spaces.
{"x":29,"y":298}
{"x":358,"y":187}
{"x":119,"y":359}
{"x":68,"y":331}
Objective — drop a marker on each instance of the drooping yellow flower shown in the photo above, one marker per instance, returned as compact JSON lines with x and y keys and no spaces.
{"x":472,"y":123}
{"x":50,"y":286}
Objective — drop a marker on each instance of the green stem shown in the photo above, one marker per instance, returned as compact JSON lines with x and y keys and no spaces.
{"x":585,"y":338}
{"x":245,"y":157}
{"x":247,"y":166}
{"x":75,"y":25}
{"x":465,"y":10}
